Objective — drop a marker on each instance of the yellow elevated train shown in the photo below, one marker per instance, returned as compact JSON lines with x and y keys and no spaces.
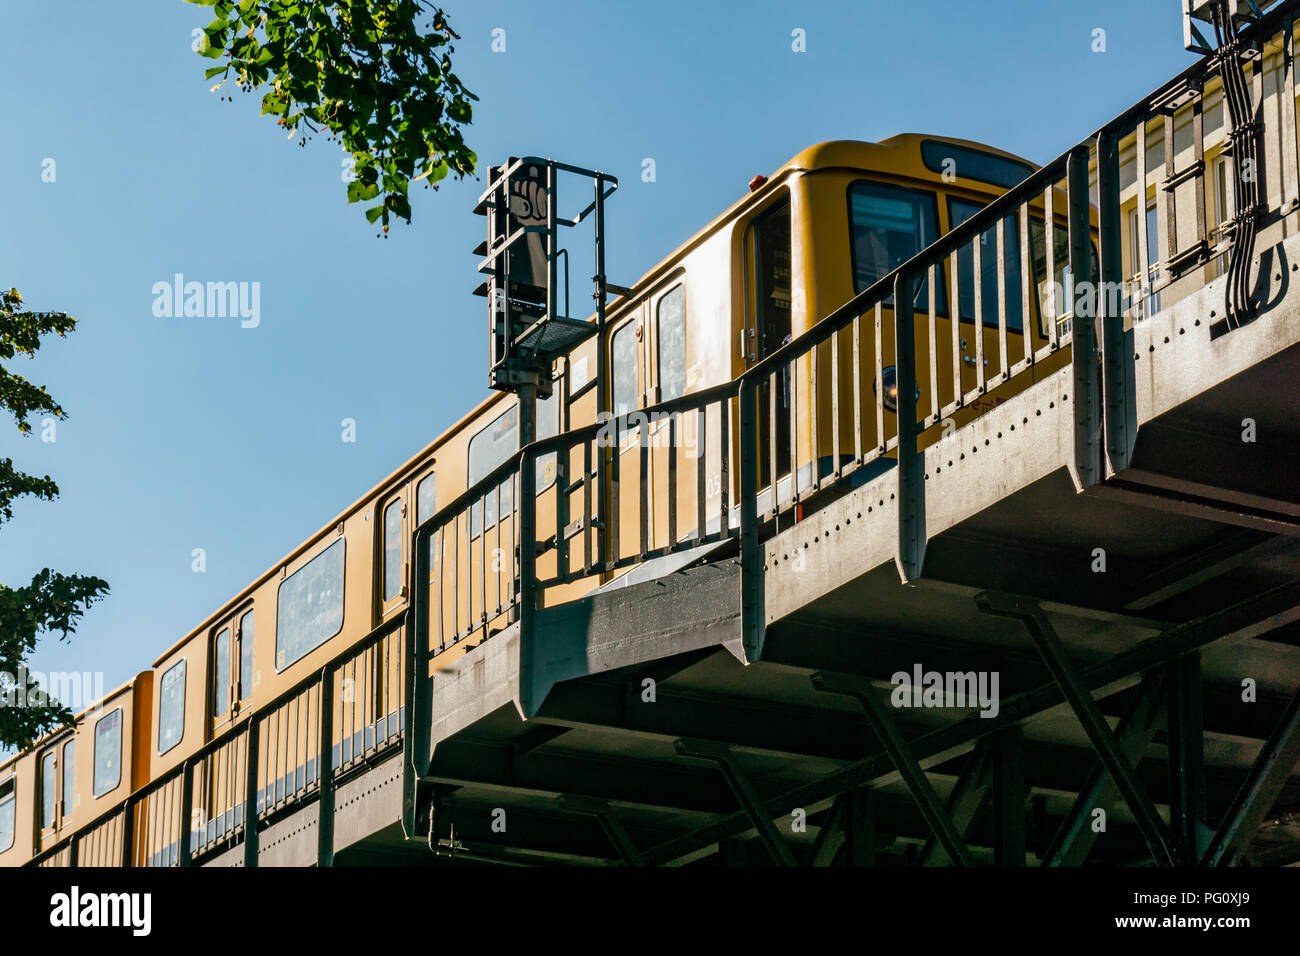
{"x":828,"y":224}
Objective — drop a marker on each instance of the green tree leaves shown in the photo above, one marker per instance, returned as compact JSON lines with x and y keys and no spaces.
{"x":376,"y":75}
{"x":52,"y":601}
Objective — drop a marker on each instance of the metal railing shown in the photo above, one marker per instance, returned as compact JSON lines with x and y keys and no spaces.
{"x":345,"y":716}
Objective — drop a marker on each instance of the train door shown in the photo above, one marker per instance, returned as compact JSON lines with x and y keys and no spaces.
{"x":58,"y":764}
{"x":672,"y":438}
{"x":768,"y":277}
{"x":627,"y":371}
{"x":982,"y":347}
{"x":232,"y":669}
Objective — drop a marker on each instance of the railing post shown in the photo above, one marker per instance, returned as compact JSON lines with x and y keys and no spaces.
{"x":1087,"y":413}
{"x":325,"y":767}
{"x":911,"y":463}
{"x":74,"y":850}
{"x":250,"y":793}
{"x":751,"y":549}
{"x":419,"y":707}
{"x":1119,"y":412}
{"x":527,"y":596}
{"x":128,"y":832}
{"x":186,"y":821}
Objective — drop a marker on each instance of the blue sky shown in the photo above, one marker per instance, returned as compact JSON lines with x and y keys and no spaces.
{"x":191,"y":433}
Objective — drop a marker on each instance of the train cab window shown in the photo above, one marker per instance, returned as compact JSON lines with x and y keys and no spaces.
{"x":244,"y":635}
{"x":958,"y":212}
{"x":171,"y":707}
{"x":221,"y":673}
{"x":548,"y":426}
{"x":8,"y":806}
{"x":69,"y":784}
{"x":670,"y":343}
{"x":108,"y":753}
{"x":623,"y":371}
{"x":47,"y":790}
{"x":889,"y":225}
{"x":309,"y":606}
{"x":394,"y":537}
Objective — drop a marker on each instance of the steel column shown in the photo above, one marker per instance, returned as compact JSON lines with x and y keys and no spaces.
{"x":911,"y":464}
{"x":1087,"y":411}
{"x":250,"y":792}
{"x":325,"y":766}
{"x":752,"y":610}
{"x":1119,"y":403}
{"x":1009,"y":797}
{"x":1186,"y":720}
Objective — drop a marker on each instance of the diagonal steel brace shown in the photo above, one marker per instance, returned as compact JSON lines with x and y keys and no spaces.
{"x":1076,"y":692}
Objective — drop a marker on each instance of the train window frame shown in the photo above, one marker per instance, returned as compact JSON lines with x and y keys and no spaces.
{"x":679,"y":287}
{"x":9,"y":804}
{"x":49,"y":790}
{"x":921,"y":301}
{"x":430,"y":477}
{"x":94,"y":754}
{"x":245,"y":658}
{"x":1011,"y":246}
{"x":227,"y":628}
{"x":282,"y":661}
{"x":954,"y":152}
{"x":184,"y":679}
{"x":387,"y":604}
{"x":68,"y":794}
{"x":628,"y":325}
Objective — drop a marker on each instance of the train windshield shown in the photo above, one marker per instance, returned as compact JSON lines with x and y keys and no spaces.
{"x":889,"y":225}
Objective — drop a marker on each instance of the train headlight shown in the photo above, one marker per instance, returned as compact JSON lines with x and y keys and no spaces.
{"x":889,"y":375}
{"x":889,"y":380}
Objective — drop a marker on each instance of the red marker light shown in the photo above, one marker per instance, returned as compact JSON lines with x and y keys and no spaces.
{"x":757,"y":182}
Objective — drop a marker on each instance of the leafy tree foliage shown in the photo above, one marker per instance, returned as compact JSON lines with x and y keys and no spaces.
{"x":52,"y":602}
{"x":366,"y":71}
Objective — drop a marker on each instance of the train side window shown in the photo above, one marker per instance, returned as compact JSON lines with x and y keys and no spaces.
{"x":670,"y":343}
{"x":426,"y":506}
{"x":394,"y":537}
{"x":244,"y":634}
{"x":958,"y":212}
{"x":221,"y":672}
{"x":47,"y":790}
{"x":492,"y":445}
{"x":8,"y":805}
{"x":889,"y":225}
{"x":548,"y":425}
{"x":108,"y":753}
{"x":623,"y":371}
{"x":309,"y":606}
{"x":69,"y":785}
{"x":171,"y":707}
